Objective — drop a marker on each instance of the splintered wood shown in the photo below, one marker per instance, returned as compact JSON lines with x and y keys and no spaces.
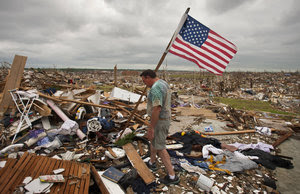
{"x":13,"y":81}
{"x":138,"y":163}
{"x":77,"y":175}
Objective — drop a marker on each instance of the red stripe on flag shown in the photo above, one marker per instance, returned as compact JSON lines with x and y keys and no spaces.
{"x":196,"y":58}
{"x":221,"y":44}
{"x":213,"y":53}
{"x":194,"y":61}
{"x":216,"y":34}
{"x":219,"y":49}
{"x":200,"y":53}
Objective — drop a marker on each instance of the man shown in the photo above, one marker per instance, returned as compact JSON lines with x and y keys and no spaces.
{"x":159,"y":108}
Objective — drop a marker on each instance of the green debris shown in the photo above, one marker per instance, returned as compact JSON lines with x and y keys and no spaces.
{"x":126,"y":139}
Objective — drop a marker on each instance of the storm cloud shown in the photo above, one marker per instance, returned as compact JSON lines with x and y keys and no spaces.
{"x":134,"y":33}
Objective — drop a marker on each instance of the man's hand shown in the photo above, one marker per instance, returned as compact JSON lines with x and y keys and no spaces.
{"x":150,"y":134}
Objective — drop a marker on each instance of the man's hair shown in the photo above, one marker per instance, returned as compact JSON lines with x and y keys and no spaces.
{"x":149,"y":73}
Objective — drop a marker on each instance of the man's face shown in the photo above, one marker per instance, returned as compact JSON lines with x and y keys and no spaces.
{"x":147,"y":81}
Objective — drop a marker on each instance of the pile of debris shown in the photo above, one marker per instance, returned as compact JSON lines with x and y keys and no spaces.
{"x":58,"y":136}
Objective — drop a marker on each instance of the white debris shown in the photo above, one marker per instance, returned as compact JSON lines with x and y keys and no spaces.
{"x":36,"y":186}
{"x":27,"y":180}
{"x":59,"y":170}
{"x":165,"y":188}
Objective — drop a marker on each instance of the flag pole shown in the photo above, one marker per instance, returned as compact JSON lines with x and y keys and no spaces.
{"x":183,"y":18}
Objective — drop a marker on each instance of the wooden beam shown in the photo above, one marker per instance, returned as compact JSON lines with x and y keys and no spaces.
{"x":13,"y":82}
{"x":282,"y":139}
{"x":115,"y":76}
{"x":234,"y":132}
{"x":75,"y":101}
{"x":98,"y":180}
{"x":137,"y":162}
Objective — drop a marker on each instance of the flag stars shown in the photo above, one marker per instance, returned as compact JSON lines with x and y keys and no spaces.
{"x":194,"y":32}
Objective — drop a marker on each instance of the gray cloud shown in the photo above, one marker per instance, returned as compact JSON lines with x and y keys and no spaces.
{"x":132,"y":33}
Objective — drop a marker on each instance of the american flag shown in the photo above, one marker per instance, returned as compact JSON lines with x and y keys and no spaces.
{"x":199,"y":44}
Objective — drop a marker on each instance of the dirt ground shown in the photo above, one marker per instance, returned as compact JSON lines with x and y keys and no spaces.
{"x":288,"y":179}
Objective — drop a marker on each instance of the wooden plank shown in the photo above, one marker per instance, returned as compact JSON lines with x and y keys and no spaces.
{"x":8,"y":165}
{"x":70,"y":178}
{"x":66,"y":174}
{"x":234,"y":132}
{"x":13,"y":81}
{"x":15,"y":173}
{"x":87,"y":178}
{"x":24,"y":173}
{"x":51,"y":167}
{"x":11,"y":171}
{"x":42,"y":167}
{"x":55,"y":188}
{"x":83,"y":173}
{"x":138,"y":163}
{"x":282,"y":139}
{"x":79,"y":185}
{"x":58,"y":164}
{"x":75,"y":173}
{"x":75,"y":101}
{"x":112,"y":152}
{"x":115,"y":76}
{"x":5,"y":171}
{"x":34,"y":166}
{"x":98,"y":180}
{"x":41,"y":162}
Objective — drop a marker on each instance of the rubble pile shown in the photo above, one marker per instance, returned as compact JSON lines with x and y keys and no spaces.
{"x":66,"y":116}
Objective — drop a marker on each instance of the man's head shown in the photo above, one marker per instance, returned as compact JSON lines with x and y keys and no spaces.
{"x":149,"y":77}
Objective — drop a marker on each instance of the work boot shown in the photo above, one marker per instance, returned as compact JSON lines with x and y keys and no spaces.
{"x":168,"y":181}
{"x":153,"y":166}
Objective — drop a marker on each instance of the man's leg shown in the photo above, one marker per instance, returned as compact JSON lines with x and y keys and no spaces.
{"x":153,"y":153}
{"x":164,"y":155}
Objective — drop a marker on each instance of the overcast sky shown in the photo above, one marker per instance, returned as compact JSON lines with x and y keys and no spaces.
{"x":135,"y":33}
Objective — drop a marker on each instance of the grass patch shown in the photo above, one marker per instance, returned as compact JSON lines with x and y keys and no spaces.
{"x":106,"y":88}
{"x":188,"y":76}
{"x":251,"y":105}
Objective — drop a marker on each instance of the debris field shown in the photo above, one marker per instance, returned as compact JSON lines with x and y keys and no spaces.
{"x":82,"y":131}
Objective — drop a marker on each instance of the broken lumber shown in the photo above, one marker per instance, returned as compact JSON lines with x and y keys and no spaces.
{"x":75,"y":101}
{"x":282,"y":139}
{"x":234,"y":132}
{"x":13,"y":81}
{"x":137,"y":162}
{"x":98,"y":180}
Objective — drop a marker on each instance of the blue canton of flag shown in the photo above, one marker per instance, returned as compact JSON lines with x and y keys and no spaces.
{"x":194,"y":32}
{"x":199,"y":44}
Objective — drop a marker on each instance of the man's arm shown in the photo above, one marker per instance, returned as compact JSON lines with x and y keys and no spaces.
{"x":154,"y":118}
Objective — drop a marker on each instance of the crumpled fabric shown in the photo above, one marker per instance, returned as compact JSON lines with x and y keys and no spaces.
{"x":69,"y":127}
{"x":106,"y":125}
{"x":35,"y":133}
{"x":242,"y":156}
{"x":191,"y":168}
{"x":263,"y":130}
{"x":261,"y":146}
{"x":201,"y":164}
{"x":139,"y":186}
{"x":192,"y":138}
{"x":234,"y":163}
{"x":268,"y":160}
{"x":210,"y":148}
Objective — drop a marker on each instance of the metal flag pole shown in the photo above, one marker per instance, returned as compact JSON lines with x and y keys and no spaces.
{"x":183,"y":19}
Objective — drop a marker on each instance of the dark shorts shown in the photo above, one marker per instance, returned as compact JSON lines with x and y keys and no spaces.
{"x":160,"y":134}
